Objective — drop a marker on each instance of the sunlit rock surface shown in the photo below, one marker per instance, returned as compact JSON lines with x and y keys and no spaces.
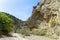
{"x":46,"y":16}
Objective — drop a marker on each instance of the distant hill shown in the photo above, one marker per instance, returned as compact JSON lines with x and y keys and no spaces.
{"x":18,"y":23}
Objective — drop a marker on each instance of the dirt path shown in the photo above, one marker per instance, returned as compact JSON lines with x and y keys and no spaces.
{"x":38,"y":38}
{"x":19,"y":37}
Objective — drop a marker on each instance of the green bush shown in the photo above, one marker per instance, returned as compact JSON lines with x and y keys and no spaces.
{"x":5,"y":24}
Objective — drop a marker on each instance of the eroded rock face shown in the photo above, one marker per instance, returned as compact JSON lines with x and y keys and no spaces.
{"x":46,"y":14}
{"x":46,"y":8}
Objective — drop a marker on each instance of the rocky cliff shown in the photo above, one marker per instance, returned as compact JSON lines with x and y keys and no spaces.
{"x":46,"y":16}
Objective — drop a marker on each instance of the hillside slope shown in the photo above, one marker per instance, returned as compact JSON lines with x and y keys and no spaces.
{"x":18,"y":23}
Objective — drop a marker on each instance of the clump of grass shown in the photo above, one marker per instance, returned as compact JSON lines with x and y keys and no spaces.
{"x":38,"y":32}
{"x":24,"y":31}
{"x":52,"y":22}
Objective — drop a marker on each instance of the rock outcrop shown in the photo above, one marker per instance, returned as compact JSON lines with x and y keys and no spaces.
{"x":46,"y":16}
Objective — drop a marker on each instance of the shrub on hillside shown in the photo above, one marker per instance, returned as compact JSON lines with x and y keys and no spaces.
{"x":5,"y":24}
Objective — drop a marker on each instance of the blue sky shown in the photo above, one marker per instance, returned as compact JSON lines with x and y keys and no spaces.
{"x":21,"y":9}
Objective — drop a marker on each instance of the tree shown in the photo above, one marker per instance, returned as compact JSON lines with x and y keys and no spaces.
{"x":6,"y":25}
